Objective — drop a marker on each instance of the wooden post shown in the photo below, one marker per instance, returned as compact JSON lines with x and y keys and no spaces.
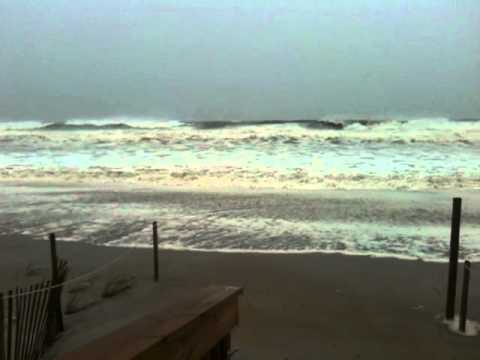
{"x":53,"y":258}
{"x":18,"y":321}
{"x":56,"y":317}
{"x":453,"y":263}
{"x":2,"y":328}
{"x":155,"y":252}
{"x":464,"y":304}
{"x":9,"y":324}
{"x":62,"y":275}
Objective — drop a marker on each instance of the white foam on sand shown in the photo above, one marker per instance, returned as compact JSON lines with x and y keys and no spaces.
{"x":407,"y":226}
{"x":472,"y":328}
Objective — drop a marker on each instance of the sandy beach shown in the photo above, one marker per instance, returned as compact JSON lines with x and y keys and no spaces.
{"x":318,"y":159}
{"x":295,"y":306}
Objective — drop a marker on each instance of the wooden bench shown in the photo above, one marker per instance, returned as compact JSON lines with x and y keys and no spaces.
{"x":198,"y":327}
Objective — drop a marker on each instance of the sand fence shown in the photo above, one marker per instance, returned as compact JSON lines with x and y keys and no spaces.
{"x":32,"y":317}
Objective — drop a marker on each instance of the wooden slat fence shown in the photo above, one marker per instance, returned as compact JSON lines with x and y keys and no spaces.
{"x":24,"y":317}
{"x":31,"y":318}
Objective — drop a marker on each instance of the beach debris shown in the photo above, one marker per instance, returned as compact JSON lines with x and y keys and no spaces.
{"x":79,"y":287}
{"x":233,"y":353}
{"x":117,"y":285}
{"x":79,"y":302}
{"x":35,"y":270}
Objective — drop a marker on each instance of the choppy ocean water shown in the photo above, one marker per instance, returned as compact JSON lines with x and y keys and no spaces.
{"x":393,"y":182}
{"x":432,"y":153}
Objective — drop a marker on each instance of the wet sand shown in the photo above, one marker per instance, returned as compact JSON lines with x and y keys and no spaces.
{"x":295,"y":306}
{"x":396,"y":223}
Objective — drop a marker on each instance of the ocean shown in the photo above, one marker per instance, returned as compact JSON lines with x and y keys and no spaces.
{"x":358,"y":186}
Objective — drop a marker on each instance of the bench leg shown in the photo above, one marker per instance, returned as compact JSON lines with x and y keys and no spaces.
{"x":225,"y":345}
{"x":219,"y":351}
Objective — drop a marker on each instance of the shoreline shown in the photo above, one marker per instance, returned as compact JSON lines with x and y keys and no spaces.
{"x":399,"y":224}
{"x":296,"y":252}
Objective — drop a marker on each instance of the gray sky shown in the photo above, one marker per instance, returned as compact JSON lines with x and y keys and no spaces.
{"x":246,"y":59}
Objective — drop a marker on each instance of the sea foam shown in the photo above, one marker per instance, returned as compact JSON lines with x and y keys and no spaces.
{"x":415,"y":154}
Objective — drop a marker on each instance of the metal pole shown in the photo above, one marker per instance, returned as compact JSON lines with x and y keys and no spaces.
{"x":155,"y":252}
{"x":453,"y":263}
{"x":464,"y":304}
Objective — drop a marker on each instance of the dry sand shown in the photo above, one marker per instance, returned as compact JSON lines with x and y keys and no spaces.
{"x":308,"y":306}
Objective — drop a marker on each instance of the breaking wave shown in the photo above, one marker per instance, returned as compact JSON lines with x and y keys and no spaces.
{"x":333,"y":123}
{"x":429,"y":153}
{"x":63,"y":126}
{"x":313,"y":124}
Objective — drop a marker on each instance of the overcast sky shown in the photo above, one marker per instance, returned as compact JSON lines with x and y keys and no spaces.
{"x":246,"y":59}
